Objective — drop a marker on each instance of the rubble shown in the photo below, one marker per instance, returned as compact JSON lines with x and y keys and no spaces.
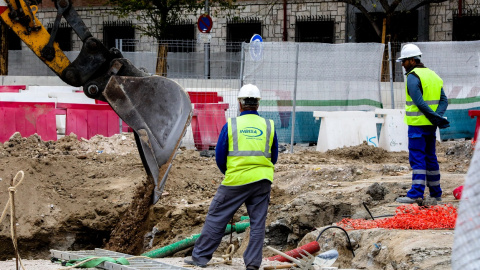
{"x":93,"y":186}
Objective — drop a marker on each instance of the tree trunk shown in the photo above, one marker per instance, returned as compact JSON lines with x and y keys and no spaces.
{"x":3,"y":49}
{"x":161,"y":68}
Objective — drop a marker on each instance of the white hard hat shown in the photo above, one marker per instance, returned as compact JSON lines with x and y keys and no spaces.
{"x":409,"y":51}
{"x":249,"y":91}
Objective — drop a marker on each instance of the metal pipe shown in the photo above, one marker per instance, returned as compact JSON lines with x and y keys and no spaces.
{"x":390,"y":67}
{"x":242,"y":67}
{"x":294,"y":101}
{"x":206,"y":48}
{"x":285,"y":32}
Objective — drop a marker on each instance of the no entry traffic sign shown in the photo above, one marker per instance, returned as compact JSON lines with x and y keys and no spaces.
{"x":205,"y":23}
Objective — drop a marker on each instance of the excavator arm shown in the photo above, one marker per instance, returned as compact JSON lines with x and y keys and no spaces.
{"x":156,"y":108}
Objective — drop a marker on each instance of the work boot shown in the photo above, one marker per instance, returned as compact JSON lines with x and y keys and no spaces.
{"x":439,"y":199}
{"x":405,"y":200}
{"x":190,"y":261}
{"x":252,"y":267}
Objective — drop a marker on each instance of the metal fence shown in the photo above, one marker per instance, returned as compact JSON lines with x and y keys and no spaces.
{"x":298,"y":78}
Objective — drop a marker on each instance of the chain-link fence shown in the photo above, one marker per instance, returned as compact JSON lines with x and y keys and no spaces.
{"x":299,"y":78}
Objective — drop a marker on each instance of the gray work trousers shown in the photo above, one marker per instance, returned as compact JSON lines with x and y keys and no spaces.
{"x":226,"y":202}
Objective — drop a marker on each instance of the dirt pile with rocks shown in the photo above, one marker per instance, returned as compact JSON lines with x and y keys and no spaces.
{"x":77,"y":192}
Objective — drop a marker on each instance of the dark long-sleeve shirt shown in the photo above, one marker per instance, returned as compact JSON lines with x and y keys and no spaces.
{"x":221,"y":150}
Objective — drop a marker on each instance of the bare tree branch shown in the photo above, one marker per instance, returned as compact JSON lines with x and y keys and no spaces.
{"x":385,"y":5}
{"x":358,"y":4}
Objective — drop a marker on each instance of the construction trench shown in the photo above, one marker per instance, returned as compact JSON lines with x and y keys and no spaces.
{"x":82,"y":195}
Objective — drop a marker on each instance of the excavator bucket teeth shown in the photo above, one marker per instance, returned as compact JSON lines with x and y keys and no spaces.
{"x":159,"y":111}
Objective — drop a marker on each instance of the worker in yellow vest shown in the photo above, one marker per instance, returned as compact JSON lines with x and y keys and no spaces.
{"x":425,"y":106}
{"x":246,"y":152}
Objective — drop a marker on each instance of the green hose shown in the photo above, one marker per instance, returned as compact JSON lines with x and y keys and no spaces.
{"x":237,"y":227}
{"x":190,"y":241}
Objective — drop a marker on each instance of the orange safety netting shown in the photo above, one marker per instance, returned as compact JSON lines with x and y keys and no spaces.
{"x":410,"y":217}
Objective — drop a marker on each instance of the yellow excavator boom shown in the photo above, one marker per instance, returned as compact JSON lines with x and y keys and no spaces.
{"x":37,"y":38}
{"x":156,"y":108}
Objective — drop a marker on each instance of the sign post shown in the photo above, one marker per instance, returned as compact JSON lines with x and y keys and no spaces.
{"x":204,"y":25}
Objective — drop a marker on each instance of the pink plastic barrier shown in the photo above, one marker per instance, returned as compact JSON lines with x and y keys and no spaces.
{"x":205,"y":97}
{"x":12,"y":88}
{"x":27,"y":118}
{"x":473,"y":114}
{"x":88,"y":120}
{"x":207,"y":122}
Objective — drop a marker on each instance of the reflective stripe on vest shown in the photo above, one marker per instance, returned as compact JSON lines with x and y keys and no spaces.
{"x":250,"y":139}
{"x":432,"y":85}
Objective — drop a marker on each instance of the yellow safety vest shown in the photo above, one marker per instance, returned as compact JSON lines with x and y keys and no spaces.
{"x":432,"y":88}
{"x":250,"y":139}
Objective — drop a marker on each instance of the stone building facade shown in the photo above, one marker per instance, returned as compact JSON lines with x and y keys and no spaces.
{"x":435,"y":22}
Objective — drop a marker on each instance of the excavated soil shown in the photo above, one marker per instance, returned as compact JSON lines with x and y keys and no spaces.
{"x":79,"y":195}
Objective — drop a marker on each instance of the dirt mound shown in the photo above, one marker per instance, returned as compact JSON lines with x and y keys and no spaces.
{"x":71,"y":197}
{"x":85,"y":194}
{"x":368,"y":153}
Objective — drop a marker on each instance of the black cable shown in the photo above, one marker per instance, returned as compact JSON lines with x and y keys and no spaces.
{"x":365,"y":205}
{"x":349,"y":246}
{"x":349,"y":216}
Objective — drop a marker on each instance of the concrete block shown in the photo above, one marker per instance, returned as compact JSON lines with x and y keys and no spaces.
{"x":345,"y":128}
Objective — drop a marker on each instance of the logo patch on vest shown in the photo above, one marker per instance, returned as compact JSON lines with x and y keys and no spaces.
{"x":251,"y":132}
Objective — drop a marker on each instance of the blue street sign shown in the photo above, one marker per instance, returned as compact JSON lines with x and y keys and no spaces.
{"x":256,"y":47}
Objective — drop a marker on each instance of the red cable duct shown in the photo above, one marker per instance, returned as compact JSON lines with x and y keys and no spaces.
{"x":311,"y":248}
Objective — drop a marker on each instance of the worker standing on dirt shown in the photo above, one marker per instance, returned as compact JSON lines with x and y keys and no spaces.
{"x":426,"y":103}
{"x":246,"y":152}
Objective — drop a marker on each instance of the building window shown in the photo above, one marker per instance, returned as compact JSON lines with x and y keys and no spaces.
{"x":466,"y":26}
{"x":403,"y":27}
{"x":63,"y":36}
{"x":241,"y":30}
{"x":120,"y":35}
{"x":314,"y":29}
{"x":180,"y":36}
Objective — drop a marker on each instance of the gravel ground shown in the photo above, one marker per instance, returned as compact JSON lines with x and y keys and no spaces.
{"x":48,"y":265}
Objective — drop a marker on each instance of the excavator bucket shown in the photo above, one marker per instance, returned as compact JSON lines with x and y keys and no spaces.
{"x":158,"y":110}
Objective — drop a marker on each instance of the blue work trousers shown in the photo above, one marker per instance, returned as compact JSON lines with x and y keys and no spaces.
{"x":423,"y":160}
{"x":226,"y":202}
